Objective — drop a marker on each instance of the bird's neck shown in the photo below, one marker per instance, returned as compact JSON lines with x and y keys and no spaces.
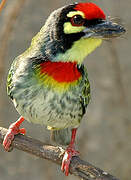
{"x":43,"y":44}
{"x":79,"y":50}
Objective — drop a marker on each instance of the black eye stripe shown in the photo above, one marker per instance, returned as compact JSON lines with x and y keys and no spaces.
{"x":68,"y":19}
{"x":87,"y":23}
{"x":92,"y":22}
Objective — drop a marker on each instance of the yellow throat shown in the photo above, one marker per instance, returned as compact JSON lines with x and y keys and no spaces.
{"x":79,"y":50}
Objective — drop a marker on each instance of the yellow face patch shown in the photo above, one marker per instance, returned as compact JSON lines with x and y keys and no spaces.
{"x":68,"y":28}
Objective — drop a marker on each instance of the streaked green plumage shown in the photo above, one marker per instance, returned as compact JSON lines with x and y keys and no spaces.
{"x":28,"y":93}
{"x":42,"y":104}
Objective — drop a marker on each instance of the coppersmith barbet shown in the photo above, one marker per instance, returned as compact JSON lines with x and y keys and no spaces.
{"x":48,"y":83}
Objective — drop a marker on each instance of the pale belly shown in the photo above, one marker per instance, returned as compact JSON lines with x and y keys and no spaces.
{"x":44,"y":106}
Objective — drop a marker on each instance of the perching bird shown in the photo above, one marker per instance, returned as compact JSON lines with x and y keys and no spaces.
{"x":48,"y":83}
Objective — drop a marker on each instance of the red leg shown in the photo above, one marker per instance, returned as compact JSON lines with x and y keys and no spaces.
{"x":13,"y":130}
{"x":69,"y":153}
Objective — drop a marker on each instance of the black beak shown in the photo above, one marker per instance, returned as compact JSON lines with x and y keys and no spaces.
{"x":104,"y":29}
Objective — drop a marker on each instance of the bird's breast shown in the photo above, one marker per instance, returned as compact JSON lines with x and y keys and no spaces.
{"x":58,"y":75}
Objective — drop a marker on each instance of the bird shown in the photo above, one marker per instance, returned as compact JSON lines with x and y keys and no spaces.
{"x":48,"y":83}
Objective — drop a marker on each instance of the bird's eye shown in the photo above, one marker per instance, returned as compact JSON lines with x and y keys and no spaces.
{"x":77,"y":20}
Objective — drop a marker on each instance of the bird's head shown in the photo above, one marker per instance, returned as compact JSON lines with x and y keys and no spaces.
{"x":72,"y":32}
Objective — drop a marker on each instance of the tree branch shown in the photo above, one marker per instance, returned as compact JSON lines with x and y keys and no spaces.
{"x":2,"y":4}
{"x":78,"y":167}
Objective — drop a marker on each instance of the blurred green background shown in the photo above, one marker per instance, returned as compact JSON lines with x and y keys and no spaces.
{"x":104,"y":137}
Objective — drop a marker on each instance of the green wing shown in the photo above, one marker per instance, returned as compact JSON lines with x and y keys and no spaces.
{"x":10,"y":77}
{"x":85,"y":96}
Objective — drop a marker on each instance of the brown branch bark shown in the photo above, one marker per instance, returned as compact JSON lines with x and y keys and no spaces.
{"x":78,"y":167}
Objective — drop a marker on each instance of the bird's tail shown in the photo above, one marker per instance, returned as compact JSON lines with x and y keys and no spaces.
{"x":62,"y":136}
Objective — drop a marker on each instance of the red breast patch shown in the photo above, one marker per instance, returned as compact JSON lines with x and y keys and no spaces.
{"x":61,"y":71}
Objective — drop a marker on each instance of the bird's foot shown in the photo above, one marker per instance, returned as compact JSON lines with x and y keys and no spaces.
{"x":12,"y":131}
{"x":69,"y":153}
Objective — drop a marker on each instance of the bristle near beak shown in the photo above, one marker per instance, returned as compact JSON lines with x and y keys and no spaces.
{"x":104,"y":30}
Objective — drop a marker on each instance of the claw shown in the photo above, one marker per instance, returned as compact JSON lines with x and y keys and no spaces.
{"x":22,"y":131}
{"x":69,"y":153}
{"x":12,"y":131}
